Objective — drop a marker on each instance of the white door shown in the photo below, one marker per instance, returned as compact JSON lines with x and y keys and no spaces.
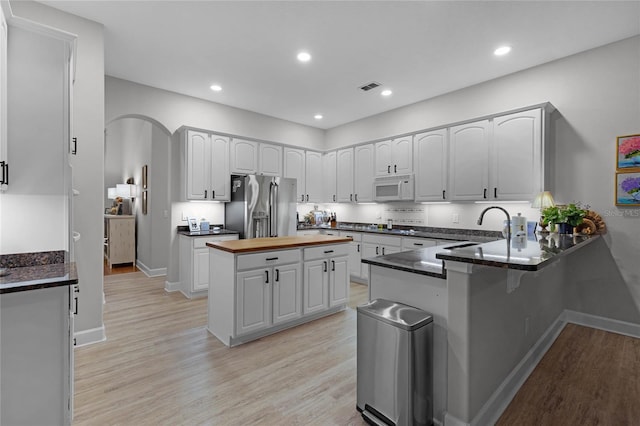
{"x":344,"y":175}
{"x":329,"y":173}
{"x":316,"y":282}
{"x":287,"y":293}
{"x":402,"y":154}
{"x":219,"y":170}
{"x":430,"y":152}
{"x":364,"y":173}
{"x":253,"y":298}
{"x":516,"y":165}
{"x":383,"y":156}
{"x":469,"y":162}
{"x":270,"y":160}
{"x":197,"y":166}
{"x":313,"y":177}
{"x":294,"y":167}
{"x":200,"y":275}
{"x":338,"y":281}
{"x":244,"y":157}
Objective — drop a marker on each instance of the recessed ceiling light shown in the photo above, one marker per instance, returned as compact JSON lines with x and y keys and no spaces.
{"x":502,"y":50}
{"x":304,"y":57}
{"x":386,"y":92}
{"x":318,"y":116}
{"x":215,"y":88}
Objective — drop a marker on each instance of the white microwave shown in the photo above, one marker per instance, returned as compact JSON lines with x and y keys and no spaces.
{"x":393,"y":188}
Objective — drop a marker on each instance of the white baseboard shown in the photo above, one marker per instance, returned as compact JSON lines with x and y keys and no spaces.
{"x":601,"y":323}
{"x":450,"y":420}
{"x":171,"y":287}
{"x":158,"y":272}
{"x":88,"y":337}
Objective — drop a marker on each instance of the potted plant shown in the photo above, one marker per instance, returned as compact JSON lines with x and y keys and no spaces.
{"x":566,"y":217}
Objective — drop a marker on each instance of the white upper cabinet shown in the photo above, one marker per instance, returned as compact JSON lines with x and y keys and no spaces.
{"x":207,"y":167}
{"x":394,"y":157}
{"x":431,"y":165}
{"x":363,"y":173}
{"x":329,"y":170}
{"x":270,"y":160}
{"x":469,"y":161}
{"x":344,"y":175}
{"x":244,"y":157}
{"x":294,"y":167}
{"x":313,"y":177}
{"x":3,"y":103}
{"x":516,"y":156}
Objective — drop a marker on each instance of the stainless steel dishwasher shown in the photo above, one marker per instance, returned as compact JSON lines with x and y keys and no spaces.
{"x":395,"y":364}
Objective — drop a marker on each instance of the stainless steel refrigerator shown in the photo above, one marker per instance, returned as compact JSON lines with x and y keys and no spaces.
{"x":261,"y":206}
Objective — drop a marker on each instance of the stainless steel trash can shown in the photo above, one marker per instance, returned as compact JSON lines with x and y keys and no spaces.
{"x":395,"y":364}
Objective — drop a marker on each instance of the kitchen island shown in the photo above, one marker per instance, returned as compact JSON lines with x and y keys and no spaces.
{"x":497,"y":307}
{"x":264,"y":285}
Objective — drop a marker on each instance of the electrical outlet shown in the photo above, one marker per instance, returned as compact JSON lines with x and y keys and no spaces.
{"x":455,"y":218}
{"x":184,"y":217}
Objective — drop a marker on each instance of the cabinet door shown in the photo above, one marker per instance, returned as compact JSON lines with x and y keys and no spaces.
{"x":363,"y":169}
{"x":244,"y":157}
{"x":200,"y":273}
{"x":338,"y":281}
{"x":253,"y":298}
{"x":355,"y":256}
{"x":370,"y":250}
{"x":430,"y":152}
{"x":383,"y":159}
{"x":294,"y":167}
{"x":469,"y":162}
{"x":384,"y":250}
{"x":329,"y":173}
{"x":316,"y":283}
{"x":220,"y":185}
{"x":516,"y":160}
{"x":287,"y":293}
{"x":197,"y":165}
{"x":344,"y":175}
{"x":270,"y":160}
{"x":402,"y":155}
{"x":313,"y":177}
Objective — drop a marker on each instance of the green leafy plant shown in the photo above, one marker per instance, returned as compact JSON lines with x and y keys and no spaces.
{"x":571,"y":214}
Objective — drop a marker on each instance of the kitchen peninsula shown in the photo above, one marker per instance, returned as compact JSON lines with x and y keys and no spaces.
{"x":496,"y":308}
{"x":264,"y":285}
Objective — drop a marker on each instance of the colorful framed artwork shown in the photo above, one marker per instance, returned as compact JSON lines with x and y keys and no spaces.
{"x":628,"y":189}
{"x":628,"y":153}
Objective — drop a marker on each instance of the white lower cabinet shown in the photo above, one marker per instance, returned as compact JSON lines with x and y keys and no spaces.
{"x":326,"y":277}
{"x":355,"y":254}
{"x":378,"y":245}
{"x":194,"y":263}
{"x":409,"y":243}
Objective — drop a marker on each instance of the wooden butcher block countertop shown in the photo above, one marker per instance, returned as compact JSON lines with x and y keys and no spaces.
{"x":276,"y":243}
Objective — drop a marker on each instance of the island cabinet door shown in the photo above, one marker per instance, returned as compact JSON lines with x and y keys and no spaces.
{"x":287,"y":293}
{"x":200,"y":270}
{"x":316,"y":283}
{"x":338,"y":281}
{"x":253,"y":298}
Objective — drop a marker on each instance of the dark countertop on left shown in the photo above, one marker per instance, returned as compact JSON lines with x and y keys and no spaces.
{"x":184,"y":230}
{"x":39,"y":276}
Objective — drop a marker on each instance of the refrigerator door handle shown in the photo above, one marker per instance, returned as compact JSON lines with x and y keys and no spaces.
{"x":273,"y":209}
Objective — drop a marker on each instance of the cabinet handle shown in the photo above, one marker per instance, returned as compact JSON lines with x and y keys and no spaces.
{"x":74,"y":150}
{"x":495,"y":192}
{"x":5,"y":173}
{"x":356,"y":198}
{"x":443,"y":194}
{"x":267,"y":281}
{"x":388,"y":169}
{"x":325,"y":266}
{"x":383,"y":251}
{"x":213,"y":194}
{"x":395,"y":168}
{"x":358,"y":248}
{"x":377,"y":250}
{"x":333,"y":265}
{"x":328,"y":251}
{"x":485,"y":193}
{"x":271,"y":258}
{"x":302,"y":198}
{"x":205,"y":193}
{"x":350,"y":197}
{"x":418,"y":244}
{"x":334,"y":198}
{"x":277,"y":275}
{"x":307,"y":197}
{"x":76,"y":290}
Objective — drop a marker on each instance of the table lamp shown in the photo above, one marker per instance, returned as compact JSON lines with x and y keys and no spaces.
{"x":542,"y":201}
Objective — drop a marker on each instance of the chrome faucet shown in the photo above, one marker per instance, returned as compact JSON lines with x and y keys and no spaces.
{"x":505,"y":212}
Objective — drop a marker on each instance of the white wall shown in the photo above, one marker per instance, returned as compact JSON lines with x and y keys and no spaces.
{"x":597,"y":94}
{"x":88,"y":127}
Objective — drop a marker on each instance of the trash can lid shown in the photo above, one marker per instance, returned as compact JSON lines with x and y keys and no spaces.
{"x":397,"y":314}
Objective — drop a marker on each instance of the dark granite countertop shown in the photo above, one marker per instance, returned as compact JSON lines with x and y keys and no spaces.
{"x":39,"y":276}
{"x":184,"y":230}
{"x":527,"y":256}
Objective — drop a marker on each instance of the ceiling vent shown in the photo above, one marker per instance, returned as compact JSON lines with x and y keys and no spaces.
{"x":369,"y":86}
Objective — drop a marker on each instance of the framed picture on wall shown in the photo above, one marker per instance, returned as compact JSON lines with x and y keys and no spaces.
{"x":144,"y":176}
{"x":628,"y":189}
{"x":628,"y":153}
{"x":144,"y":202}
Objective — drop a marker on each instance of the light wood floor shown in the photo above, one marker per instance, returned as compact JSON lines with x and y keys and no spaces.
{"x":123,"y":268}
{"x":159,"y":366}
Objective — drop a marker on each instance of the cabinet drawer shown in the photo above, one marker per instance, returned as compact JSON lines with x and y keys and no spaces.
{"x":357,"y":236}
{"x":384,"y":240}
{"x":267,"y":259}
{"x":416,"y":243}
{"x":322,"y":252}
{"x":201,"y":242}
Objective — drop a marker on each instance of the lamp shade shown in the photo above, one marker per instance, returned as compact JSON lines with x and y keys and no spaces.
{"x":112,"y":193}
{"x":125,"y":190}
{"x":543,"y":200}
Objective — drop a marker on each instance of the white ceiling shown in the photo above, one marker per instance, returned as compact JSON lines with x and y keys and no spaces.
{"x":419,"y":49}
